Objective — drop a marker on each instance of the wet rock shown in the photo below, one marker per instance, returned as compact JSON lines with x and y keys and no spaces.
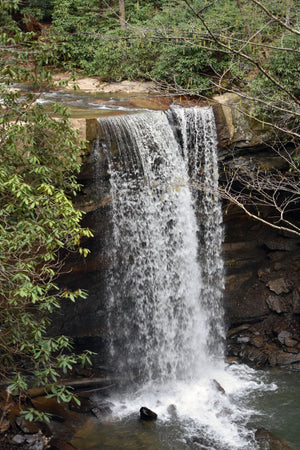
{"x":284,"y":359}
{"x":237,"y":330}
{"x":200,"y":442}
{"x":57,"y":444}
{"x":18,"y":439}
{"x":231,"y":360}
{"x":296,"y":367}
{"x":276,"y":256}
{"x":244,"y":300}
{"x":296,"y":302}
{"x":26,"y":426}
{"x":255,"y":356}
{"x":172,"y":410}
{"x":85,"y":406}
{"x":147,"y":414}
{"x":279,"y":286}
{"x":268,"y":440}
{"x":219,"y":387}
{"x":30,"y":439}
{"x":257,"y":341}
{"x":282,"y":244}
{"x":277,"y":304}
{"x":290,"y":342}
{"x":283,"y":335}
{"x":102,"y":409}
{"x":292,"y":350}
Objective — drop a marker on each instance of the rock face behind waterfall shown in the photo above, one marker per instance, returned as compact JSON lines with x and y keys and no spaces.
{"x":262,"y":295}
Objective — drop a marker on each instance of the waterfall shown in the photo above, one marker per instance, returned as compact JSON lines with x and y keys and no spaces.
{"x":165,"y":319}
{"x":196,"y":133}
{"x":164,"y":290}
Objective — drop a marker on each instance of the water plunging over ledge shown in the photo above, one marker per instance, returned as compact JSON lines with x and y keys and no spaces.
{"x":161,"y":290}
{"x":165,"y":319}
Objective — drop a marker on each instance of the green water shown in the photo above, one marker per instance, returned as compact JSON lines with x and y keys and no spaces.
{"x":278,"y":411}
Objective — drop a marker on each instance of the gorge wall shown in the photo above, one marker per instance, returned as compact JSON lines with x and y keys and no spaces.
{"x":262,"y":293}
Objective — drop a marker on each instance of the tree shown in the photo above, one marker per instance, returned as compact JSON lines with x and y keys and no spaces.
{"x":39,"y":160}
{"x":122,"y":13}
{"x":269,"y":195}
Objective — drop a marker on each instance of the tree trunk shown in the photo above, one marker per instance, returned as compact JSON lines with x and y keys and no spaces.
{"x":122,"y":13}
{"x":244,"y":17}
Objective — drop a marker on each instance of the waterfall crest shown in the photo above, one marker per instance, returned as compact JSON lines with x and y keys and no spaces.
{"x":165,"y":290}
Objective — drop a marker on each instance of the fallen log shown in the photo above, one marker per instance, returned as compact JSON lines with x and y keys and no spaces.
{"x":76,"y":384}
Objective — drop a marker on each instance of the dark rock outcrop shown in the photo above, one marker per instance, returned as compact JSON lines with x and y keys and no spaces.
{"x":270,"y":441}
{"x":147,"y":414}
{"x":261,"y":294}
{"x":262,"y":300}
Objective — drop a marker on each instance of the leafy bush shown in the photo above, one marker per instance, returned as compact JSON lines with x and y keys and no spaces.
{"x":39,"y":160}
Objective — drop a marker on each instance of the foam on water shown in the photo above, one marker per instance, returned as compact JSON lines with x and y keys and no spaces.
{"x":199,"y":408}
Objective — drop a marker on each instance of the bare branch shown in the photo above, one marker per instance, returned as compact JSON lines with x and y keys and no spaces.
{"x":276,"y":19}
{"x":241,"y":54}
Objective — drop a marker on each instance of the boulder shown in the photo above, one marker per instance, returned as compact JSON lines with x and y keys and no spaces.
{"x":243,"y":339}
{"x":237,"y":330}
{"x":283,"y":335}
{"x":268,"y":440}
{"x":172,"y":411}
{"x":290,"y":342}
{"x":147,"y":414}
{"x":18,"y":439}
{"x":284,"y":358}
{"x":279,"y":286}
{"x":277,"y":304}
{"x":257,"y":341}
{"x":26,"y":426}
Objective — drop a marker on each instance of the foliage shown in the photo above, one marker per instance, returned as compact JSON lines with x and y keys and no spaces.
{"x":167,"y":42}
{"x":41,"y":10}
{"x":189,"y":67}
{"x":39,"y":159}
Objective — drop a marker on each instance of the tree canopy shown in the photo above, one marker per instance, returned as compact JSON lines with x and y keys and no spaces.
{"x":195,"y":47}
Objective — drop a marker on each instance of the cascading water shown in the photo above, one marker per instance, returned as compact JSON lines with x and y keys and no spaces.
{"x":155,"y":304}
{"x":196,"y":134}
{"x":164,"y":301}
